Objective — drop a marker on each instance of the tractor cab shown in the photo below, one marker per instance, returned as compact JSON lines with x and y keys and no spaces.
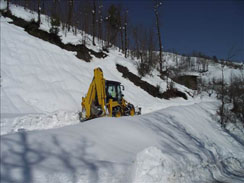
{"x":114,"y":90}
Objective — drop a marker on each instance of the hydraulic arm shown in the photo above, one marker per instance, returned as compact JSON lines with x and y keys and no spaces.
{"x":94,"y":102}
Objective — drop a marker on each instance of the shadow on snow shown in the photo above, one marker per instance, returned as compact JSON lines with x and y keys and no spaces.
{"x":21,"y":160}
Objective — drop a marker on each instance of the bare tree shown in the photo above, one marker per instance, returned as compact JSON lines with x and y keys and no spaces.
{"x":54,"y":13}
{"x":55,"y":18}
{"x":151,"y":47}
{"x":70,"y":14}
{"x":26,"y":4}
{"x":188,"y":61}
{"x":136,"y":41}
{"x":146,"y":48}
{"x":122,"y":38}
{"x":113,"y":23}
{"x":8,"y":5}
{"x":94,"y":22}
{"x":43,"y":7}
{"x":39,"y":12}
{"x":157,"y":4}
{"x":100,"y":20}
{"x":125,"y":29}
{"x":221,"y":111}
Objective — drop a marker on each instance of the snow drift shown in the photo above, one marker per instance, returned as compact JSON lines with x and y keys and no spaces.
{"x":178,"y":144}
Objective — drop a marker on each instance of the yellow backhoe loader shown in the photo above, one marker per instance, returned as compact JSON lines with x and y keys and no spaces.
{"x":105,"y":98}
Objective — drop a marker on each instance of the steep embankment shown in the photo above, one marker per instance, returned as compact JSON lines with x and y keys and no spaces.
{"x":82,"y":52}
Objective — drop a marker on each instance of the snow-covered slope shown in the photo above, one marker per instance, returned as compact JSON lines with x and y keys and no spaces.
{"x":41,"y":81}
{"x":41,"y":88}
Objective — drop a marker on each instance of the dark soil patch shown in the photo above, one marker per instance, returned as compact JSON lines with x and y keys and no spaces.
{"x":187,"y":80}
{"x":173,"y":93}
{"x":32,"y":28}
{"x":17,"y":21}
{"x":150,"y":89}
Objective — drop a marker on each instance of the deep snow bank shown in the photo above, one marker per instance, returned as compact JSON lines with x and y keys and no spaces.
{"x":177,"y":144}
{"x":153,"y":165}
{"x":11,"y":123}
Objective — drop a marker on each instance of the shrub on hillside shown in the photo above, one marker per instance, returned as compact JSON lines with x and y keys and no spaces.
{"x":148,"y":62}
{"x":232,"y":101}
{"x":55,"y":23}
{"x":143,"y":69}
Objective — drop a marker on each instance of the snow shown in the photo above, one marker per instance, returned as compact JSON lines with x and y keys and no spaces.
{"x":41,"y":78}
{"x":3,"y":5}
{"x":11,"y":123}
{"x":66,"y":37}
{"x":215,"y":72}
{"x":42,"y":139}
{"x":178,"y":144}
{"x":150,"y":165}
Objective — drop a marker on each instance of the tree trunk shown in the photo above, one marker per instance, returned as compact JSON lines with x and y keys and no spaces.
{"x":70,"y":13}
{"x":222,"y":98}
{"x":26,"y":4}
{"x":94,"y":23}
{"x":39,"y":12}
{"x":122,"y":38}
{"x":7,"y":5}
{"x":100,"y":17}
{"x":43,"y":8}
{"x":126,"y":43}
{"x":159,"y":40}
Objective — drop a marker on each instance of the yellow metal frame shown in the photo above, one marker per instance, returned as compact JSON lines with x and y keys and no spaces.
{"x":97,"y":89}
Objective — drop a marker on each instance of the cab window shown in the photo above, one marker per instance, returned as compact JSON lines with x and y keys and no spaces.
{"x":119,"y":92}
{"x":112,"y":91}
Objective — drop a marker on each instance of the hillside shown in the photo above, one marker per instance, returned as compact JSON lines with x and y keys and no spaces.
{"x":42,"y":140}
{"x":62,"y":81}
